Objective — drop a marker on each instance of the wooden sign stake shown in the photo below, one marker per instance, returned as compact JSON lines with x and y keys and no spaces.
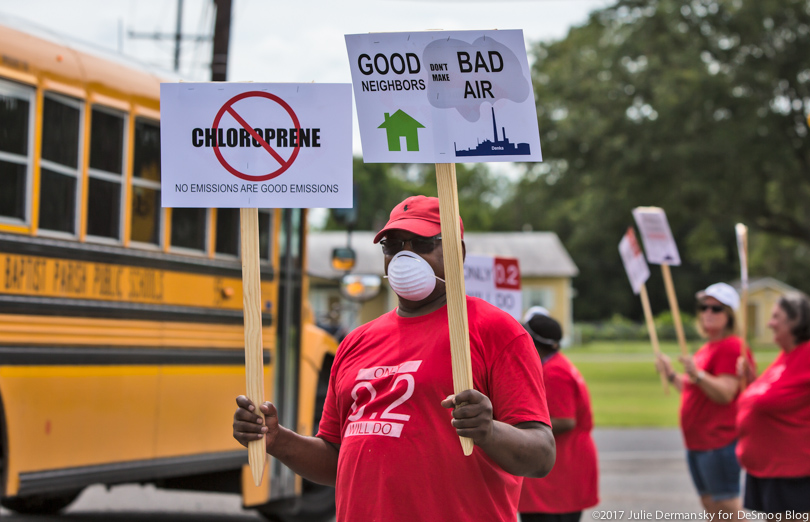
{"x":742,"y":238}
{"x":673,"y":306}
{"x":454,"y":279}
{"x":645,"y":303}
{"x":252,"y":298}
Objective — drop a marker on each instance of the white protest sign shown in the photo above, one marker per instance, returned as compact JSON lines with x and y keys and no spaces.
{"x":659,"y":245}
{"x":256,"y":145}
{"x":634,"y":263}
{"x":496,"y":280}
{"x":444,"y":97}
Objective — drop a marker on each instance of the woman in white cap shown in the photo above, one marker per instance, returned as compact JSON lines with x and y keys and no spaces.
{"x":709,"y":389}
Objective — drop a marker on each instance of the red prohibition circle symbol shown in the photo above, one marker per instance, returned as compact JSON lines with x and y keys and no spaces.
{"x":284,"y":164}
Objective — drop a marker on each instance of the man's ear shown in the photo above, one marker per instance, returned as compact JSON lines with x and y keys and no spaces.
{"x":463,"y":251}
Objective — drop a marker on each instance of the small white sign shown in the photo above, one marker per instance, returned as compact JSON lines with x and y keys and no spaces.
{"x":496,"y":280}
{"x":659,"y":245}
{"x":634,"y":263}
{"x":256,"y":145}
{"x":444,"y":97}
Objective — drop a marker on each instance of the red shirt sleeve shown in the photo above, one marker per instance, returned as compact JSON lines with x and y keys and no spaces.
{"x":516,"y":384}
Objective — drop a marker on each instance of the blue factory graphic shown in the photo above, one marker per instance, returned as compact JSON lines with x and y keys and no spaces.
{"x":497,"y":147}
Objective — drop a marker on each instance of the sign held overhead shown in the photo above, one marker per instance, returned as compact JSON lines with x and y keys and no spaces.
{"x":254,"y":145}
{"x":633,"y":259}
{"x":659,"y":245}
{"x":444,"y":97}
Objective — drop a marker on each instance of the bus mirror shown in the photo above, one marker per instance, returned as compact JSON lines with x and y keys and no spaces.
{"x":343,"y":258}
{"x":360,"y":288}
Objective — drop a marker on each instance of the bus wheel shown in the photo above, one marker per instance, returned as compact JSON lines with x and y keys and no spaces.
{"x":40,"y":504}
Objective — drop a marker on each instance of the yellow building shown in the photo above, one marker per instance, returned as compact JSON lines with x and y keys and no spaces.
{"x":763,"y":293}
{"x":546,"y":271}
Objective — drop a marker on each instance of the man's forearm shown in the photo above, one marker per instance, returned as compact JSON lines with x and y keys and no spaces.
{"x":311,"y":457}
{"x":529,"y":451}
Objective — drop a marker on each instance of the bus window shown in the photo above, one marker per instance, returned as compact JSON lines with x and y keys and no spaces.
{"x":188,"y":228}
{"x":59,"y":174}
{"x":265,"y":229}
{"x":146,"y":213}
{"x":16,"y":113}
{"x":227,"y":231}
{"x":104,"y":184}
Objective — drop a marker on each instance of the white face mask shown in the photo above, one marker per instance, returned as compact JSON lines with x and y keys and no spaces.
{"x":410,"y":276}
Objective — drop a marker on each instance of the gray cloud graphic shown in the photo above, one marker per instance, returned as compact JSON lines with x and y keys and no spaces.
{"x":462,"y":76}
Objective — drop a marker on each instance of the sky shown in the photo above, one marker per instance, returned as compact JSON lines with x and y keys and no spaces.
{"x":286,"y":41}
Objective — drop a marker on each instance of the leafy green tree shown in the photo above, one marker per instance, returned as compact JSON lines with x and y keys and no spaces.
{"x":698,"y":107}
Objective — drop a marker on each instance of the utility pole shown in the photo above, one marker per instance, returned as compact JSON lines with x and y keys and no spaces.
{"x":177,"y":36}
{"x":222,"y":37}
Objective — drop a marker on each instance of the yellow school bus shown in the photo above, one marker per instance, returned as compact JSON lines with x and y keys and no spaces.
{"x":121,"y":331}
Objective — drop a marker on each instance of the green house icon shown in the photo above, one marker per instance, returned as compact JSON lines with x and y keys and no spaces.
{"x":399,"y":125}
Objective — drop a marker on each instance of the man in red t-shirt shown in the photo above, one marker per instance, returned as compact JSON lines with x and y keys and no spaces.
{"x":387,"y":441}
{"x":572,"y":485}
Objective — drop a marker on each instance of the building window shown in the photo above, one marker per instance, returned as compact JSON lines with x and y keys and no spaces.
{"x":146,"y":212}
{"x":16,"y":115}
{"x":59,"y":172}
{"x":228,"y":230}
{"x":104,"y":186}
{"x":538,"y":296}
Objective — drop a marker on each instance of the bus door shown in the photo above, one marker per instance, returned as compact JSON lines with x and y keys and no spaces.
{"x":288,"y":337}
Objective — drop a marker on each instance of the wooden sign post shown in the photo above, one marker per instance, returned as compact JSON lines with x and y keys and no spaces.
{"x":673,"y":306}
{"x":252,"y":304}
{"x":454,"y":280}
{"x":638,"y":272}
{"x":742,"y":247}
{"x":648,"y":317}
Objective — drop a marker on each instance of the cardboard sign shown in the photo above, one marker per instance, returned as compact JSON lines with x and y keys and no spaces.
{"x":444,"y":97}
{"x":633,"y":259}
{"x":496,"y":280}
{"x":256,"y":145}
{"x":659,"y":245}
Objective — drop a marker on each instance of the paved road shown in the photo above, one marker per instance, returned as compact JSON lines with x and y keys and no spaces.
{"x":640,"y":469}
{"x":643,"y":469}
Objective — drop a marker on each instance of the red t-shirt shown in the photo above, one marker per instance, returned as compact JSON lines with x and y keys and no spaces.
{"x":773,"y":418}
{"x":708,"y":425}
{"x":573,"y":483}
{"x":400,"y":458}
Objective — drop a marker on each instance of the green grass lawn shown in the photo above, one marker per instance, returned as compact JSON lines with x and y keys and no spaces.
{"x":625,"y":389}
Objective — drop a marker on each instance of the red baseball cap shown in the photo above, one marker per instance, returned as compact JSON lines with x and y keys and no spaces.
{"x":418,"y":215}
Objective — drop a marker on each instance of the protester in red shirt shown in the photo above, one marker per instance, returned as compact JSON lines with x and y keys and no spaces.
{"x":387,"y":441}
{"x":773,"y":418}
{"x":709,"y":390}
{"x":573,"y":483}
